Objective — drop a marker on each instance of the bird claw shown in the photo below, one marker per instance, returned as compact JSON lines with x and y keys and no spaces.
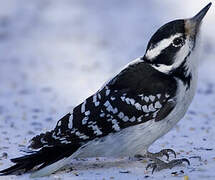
{"x":180,"y":161}
{"x":159,"y":164}
{"x":166,"y":152}
{"x":163,"y":152}
{"x":151,"y":165}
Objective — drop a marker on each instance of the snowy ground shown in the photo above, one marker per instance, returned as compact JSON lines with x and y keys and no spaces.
{"x":53,"y":54}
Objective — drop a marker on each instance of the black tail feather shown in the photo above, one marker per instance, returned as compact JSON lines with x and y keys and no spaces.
{"x":12,"y":170}
{"x":47,"y":138}
{"x":40,"y":159}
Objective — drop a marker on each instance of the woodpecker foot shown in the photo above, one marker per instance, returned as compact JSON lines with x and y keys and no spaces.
{"x":159,"y":164}
{"x":163,"y":152}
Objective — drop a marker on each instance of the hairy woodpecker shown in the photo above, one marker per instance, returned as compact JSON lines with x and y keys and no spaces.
{"x":132,"y":110}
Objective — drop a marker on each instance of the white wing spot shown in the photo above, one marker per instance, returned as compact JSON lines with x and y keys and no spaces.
{"x":59,"y":123}
{"x":96,"y":129}
{"x":146,"y":98}
{"x":155,"y":114}
{"x":111,"y":109}
{"x":87,"y":113}
{"x":130,"y":101}
{"x":77,"y":133}
{"x":83,"y":107}
{"x":167,"y":95}
{"x":158,"y":96}
{"x":97,"y":103}
{"x":121,"y":115}
{"x":70,"y":124}
{"x":84,"y":137}
{"x":145,"y":109}
{"x":107,"y":92}
{"x":107,"y":103}
{"x":158,"y":105}
{"x":115,"y":125}
{"x":59,"y":132}
{"x":127,"y":100}
{"x":125,"y":118}
{"x":43,"y":141}
{"x":84,"y":120}
{"x":152,"y":98}
{"x":123,"y":98}
{"x":138,"y":106}
{"x":94,"y":98}
{"x":133,"y":119}
{"x":115,"y":110}
{"x":99,"y":96}
{"x":102,"y":115}
{"x":151,"y":108}
{"x":81,"y":135}
{"x":141,"y":96}
{"x":55,"y":137}
{"x":139,"y":119}
{"x":112,"y":98}
{"x":65,"y":142}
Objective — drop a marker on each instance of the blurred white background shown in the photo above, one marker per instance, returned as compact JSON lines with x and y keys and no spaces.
{"x":54,"y":54}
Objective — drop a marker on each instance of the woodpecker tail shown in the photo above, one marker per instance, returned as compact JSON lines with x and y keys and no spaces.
{"x":50,"y":138}
{"x":50,"y":155}
{"x":47,"y":160}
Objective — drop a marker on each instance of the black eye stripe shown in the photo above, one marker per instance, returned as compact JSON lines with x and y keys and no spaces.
{"x":166,"y":56}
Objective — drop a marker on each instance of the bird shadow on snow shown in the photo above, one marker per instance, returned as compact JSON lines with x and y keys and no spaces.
{"x":112,"y":165}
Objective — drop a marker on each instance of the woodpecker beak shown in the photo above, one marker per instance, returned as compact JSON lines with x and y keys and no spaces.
{"x":192,"y":25}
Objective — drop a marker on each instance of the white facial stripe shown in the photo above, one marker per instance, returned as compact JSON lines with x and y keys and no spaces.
{"x":155,"y":51}
{"x":178,"y":60}
{"x":163,"y":68}
{"x":182,"y":54}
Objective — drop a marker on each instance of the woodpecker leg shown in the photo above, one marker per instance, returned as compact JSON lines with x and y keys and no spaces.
{"x":159,"y":164}
{"x":163,"y":152}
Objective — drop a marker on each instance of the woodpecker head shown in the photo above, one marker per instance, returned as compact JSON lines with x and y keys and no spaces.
{"x":171,"y":46}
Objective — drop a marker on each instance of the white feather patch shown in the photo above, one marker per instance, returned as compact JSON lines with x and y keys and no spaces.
{"x":153,"y":52}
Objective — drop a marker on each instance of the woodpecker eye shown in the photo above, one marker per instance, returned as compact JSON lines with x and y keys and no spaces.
{"x":178,"y":42}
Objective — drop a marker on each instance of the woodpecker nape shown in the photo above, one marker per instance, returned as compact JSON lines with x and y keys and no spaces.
{"x":130,"y":111}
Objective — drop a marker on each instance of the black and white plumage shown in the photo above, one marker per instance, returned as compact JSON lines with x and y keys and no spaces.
{"x":132,"y":110}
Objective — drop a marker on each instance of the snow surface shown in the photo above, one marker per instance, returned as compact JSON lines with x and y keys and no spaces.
{"x":54,"y":54}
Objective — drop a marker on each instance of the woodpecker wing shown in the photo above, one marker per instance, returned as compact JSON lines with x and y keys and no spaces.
{"x":138,"y":94}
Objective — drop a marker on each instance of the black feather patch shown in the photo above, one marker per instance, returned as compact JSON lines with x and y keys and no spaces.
{"x":48,"y":138}
{"x":40,"y":159}
{"x":181,"y":73}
